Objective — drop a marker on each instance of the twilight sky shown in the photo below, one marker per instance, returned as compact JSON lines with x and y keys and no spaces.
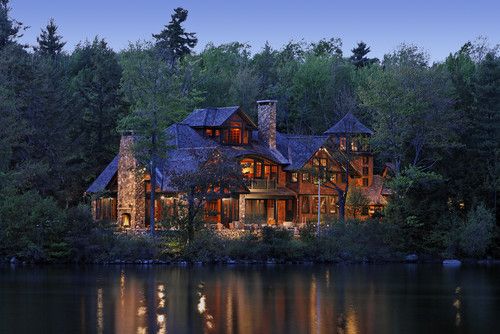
{"x":439,"y":26}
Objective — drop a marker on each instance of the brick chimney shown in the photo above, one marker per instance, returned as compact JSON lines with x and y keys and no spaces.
{"x":266,"y":113}
{"x":131,"y":193}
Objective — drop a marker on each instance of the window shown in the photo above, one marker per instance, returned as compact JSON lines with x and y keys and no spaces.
{"x":305,"y":204}
{"x":274,"y":172}
{"x":366,"y":160}
{"x":294,"y":177}
{"x":235,"y":136}
{"x":365,"y":182}
{"x":305,"y":177}
{"x":209,"y":133}
{"x":315,"y":204}
{"x":342,"y":143}
{"x":354,"y":146}
{"x":332,"y":204}
{"x":333,"y":177}
{"x":258,"y":170}
{"x":247,"y":168}
{"x":365,"y":171}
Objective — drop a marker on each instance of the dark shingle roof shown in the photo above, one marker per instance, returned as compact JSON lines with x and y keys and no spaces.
{"x":349,"y":124}
{"x":212,"y":116}
{"x":103,"y":179}
{"x":298,"y":149}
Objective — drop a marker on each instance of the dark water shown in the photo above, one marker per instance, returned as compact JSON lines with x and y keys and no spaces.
{"x":278,"y":299}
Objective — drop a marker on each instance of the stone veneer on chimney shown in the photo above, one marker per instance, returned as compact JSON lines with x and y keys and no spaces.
{"x":266,"y":113}
{"x":131,"y":191}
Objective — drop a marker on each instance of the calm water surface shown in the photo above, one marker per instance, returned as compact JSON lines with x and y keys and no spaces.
{"x":250,"y":299}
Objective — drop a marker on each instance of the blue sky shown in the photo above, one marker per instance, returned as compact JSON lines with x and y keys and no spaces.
{"x":438,"y":26}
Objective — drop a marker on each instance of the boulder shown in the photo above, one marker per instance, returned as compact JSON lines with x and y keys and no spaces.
{"x":411,"y":258}
{"x":452,"y":263}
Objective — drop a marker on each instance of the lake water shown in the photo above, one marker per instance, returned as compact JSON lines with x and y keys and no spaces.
{"x":250,"y":299}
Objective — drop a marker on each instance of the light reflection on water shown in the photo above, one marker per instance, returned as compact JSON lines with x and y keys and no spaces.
{"x":278,"y":299}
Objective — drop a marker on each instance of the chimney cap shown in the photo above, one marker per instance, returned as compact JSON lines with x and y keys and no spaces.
{"x":266,"y":101}
{"x":127,"y":132}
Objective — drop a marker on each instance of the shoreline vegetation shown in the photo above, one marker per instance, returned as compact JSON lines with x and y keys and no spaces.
{"x":81,"y":240}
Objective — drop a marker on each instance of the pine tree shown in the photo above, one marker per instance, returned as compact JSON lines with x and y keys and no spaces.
{"x":49,"y":42}
{"x":359,"y":53}
{"x":10,"y":29}
{"x":174,"y":42}
{"x":486,"y":125}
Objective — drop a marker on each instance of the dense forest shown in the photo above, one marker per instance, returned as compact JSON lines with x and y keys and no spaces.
{"x":438,"y":124}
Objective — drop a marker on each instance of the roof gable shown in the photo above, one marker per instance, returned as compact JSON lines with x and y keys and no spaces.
{"x":298,"y":149}
{"x":349,"y":124}
{"x":213,"y":117}
{"x":102,"y":181}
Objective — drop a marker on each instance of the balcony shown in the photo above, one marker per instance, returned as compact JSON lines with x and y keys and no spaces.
{"x":262,"y":184}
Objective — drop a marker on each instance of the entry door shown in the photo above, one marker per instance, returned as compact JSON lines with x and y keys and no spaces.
{"x":281,"y":211}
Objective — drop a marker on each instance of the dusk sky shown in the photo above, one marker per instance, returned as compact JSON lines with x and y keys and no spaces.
{"x":439,"y":26}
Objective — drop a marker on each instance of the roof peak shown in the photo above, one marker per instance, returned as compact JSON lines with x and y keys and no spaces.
{"x":349,"y":124}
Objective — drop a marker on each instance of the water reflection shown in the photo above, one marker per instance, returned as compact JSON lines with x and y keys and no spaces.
{"x":341,"y":299}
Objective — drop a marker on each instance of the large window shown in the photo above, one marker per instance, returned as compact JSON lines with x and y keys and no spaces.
{"x":256,"y":169}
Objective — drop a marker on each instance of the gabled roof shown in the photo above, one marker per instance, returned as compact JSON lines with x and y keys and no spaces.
{"x":349,"y":124}
{"x":210,"y":117}
{"x":105,"y":177}
{"x":298,"y":149}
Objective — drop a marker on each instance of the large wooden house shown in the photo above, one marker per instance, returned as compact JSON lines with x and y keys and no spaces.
{"x":280,"y":168}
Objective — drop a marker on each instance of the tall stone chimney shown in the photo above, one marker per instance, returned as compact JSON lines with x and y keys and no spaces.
{"x":266,"y":113}
{"x":131,"y":192}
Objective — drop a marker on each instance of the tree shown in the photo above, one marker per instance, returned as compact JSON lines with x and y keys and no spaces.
{"x":357,"y":200}
{"x":477,"y":233}
{"x":173,"y":42}
{"x":411,"y":107}
{"x":157,"y":99}
{"x":358,"y":55}
{"x":49,"y":42}
{"x":327,"y":47}
{"x":10,"y":29}
{"x":486,"y":124}
{"x":96,"y":105}
{"x":214,"y":176}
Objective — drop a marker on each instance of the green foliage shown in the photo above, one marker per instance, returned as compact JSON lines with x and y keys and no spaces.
{"x":477,"y":233}
{"x":356,"y":200}
{"x":173,"y":42}
{"x":49,"y":42}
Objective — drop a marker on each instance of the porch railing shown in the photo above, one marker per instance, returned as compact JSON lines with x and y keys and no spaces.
{"x":262,"y":184}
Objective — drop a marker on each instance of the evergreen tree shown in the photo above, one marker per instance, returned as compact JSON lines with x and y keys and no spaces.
{"x":486,"y":123}
{"x":96,"y":106}
{"x":174,"y":42}
{"x":359,"y":58}
{"x":10,"y":29}
{"x":49,"y":42}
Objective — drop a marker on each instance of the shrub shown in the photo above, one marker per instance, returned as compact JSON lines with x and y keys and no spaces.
{"x":477,"y":233}
{"x":206,"y":246}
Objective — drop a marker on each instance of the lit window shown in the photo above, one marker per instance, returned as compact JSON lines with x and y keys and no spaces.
{"x":305,"y":177}
{"x":294,"y":177}
{"x":235,"y":135}
{"x":342,"y":143}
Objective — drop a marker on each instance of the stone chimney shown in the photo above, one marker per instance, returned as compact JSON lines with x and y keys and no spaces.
{"x":266,"y":113}
{"x":131,"y":192}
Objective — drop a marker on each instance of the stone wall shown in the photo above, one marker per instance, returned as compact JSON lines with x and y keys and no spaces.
{"x":266,"y":113}
{"x":131,"y":190}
